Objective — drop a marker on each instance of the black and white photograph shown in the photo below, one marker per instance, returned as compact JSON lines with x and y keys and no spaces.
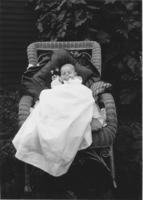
{"x":71,"y":99}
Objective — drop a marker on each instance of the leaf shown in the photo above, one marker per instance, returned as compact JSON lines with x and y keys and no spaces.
{"x":50,"y":3}
{"x":132,"y":24}
{"x":40,"y":27}
{"x":42,"y":18}
{"x":80,"y":22}
{"x":93,"y":30}
{"x":37,"y":7}
{"x":103,"y":37}
{"x":134,"y":65}
{"x":131,"y":63}
{"x":61,"y":5}
{"x":110,"y":1}
{"x":127,"y":77}
{"x":123,"y":32}
{"x":61,"y":33}
{"x":129,"y":5}
{"x":80,"y":18}
{"x":61,"y":15}
{"x":92,"y":7}
{"x":128,"y":95}
{"x":78,"y":2}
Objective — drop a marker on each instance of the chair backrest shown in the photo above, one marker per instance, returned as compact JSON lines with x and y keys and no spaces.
{"x":33,"y":49}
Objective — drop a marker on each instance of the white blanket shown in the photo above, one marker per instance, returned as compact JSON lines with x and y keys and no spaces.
{"x":57,"y":128}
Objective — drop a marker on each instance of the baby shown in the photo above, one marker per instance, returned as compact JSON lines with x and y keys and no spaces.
{"x":68,"y":72}
{"x":68,"y":75}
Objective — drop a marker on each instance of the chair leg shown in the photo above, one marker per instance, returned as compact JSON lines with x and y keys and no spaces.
{"x":27,"y":186}
{"x":112,"y":167}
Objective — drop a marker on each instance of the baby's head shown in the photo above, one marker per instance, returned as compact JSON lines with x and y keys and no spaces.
{"x":67,"y":72}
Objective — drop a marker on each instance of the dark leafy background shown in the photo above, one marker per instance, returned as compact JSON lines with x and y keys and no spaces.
{"x":116,"y":25}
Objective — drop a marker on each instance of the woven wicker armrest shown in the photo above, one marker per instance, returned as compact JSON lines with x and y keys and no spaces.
{"x":106,"y":136}
{"x":24,"y":108}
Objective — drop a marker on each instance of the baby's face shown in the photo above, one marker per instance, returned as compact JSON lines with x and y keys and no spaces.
{"x":67,"y":72}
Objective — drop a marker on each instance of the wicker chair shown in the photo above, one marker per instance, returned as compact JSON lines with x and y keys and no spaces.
{"x":106,"y":136}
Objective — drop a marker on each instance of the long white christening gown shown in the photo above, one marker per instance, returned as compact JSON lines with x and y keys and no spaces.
{"x":57,"y":128}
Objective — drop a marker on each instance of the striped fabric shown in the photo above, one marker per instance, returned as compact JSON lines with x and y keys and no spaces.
{"x":99,"y":87}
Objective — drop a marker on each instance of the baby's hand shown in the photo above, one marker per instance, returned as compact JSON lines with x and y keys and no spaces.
{"x":54,"y":77}
{"x":55,"y":81}
{"x":95,"y":125}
